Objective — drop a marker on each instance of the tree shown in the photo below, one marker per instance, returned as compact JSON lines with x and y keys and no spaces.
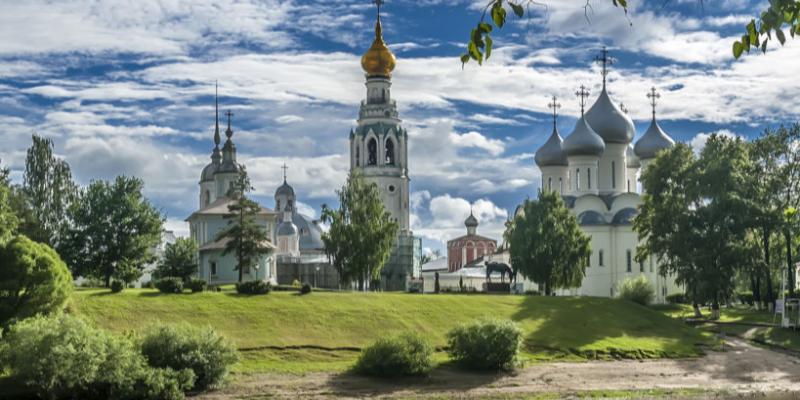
{"x":696,"y":215}
{"x":113,"y":232}
{"x":547,"y":245}
{"x":361,"y":233}
{"x":48,"y":191}
{"x":8,"y":219}
{"x":179,"y":260}
{"x":33,"y":280}
{"x":245,"y":237}
{"x":758,"y":32}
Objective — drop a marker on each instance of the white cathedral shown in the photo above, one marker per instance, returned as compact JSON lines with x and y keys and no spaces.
{"x":596,"y":169}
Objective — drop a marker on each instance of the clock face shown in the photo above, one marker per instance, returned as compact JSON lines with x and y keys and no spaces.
{"x":391,"y":188}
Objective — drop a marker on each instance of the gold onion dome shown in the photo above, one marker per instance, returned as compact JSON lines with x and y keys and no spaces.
{"x":378,"y":60}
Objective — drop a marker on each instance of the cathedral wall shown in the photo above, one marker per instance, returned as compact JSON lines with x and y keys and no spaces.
{"x":554,"y":178}
{"x":582,"y":175}
{"x":612,"y":169}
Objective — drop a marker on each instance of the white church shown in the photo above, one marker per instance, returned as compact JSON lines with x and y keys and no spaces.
{"x":596,"y":169}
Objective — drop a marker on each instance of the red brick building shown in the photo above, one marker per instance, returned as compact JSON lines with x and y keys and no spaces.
{"x":465,"y":249}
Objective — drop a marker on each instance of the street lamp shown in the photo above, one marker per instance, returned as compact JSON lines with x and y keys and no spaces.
{"x":315,"y":275}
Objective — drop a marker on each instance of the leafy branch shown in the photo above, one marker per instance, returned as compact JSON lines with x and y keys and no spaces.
{"x":759,"y":31}
{"x":479,"y":46}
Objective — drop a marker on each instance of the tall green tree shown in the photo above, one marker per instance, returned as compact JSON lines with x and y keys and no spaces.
{"x":696,"y":216}
{"x":547,"y":245}
{"x":180,"y":260}
{"x":8,"y":218}
{"x":361,"y":232}
{"x":245,"y":237}
{"x":113,"y":231}
{"x":48,"y":192}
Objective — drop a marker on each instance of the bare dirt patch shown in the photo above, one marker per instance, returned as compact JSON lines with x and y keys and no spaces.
{"x":741,"y":369}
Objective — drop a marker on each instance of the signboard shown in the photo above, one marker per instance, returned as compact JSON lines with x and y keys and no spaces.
{"x":779,"y":306}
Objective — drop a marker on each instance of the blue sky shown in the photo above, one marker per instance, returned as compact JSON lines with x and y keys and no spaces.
{"x":126,"y":87}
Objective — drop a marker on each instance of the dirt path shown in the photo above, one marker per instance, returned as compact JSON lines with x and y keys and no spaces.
{"x":742,"y":368}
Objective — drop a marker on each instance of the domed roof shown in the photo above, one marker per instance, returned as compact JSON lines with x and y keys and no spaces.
{"x":284,"y":190}
{"x":591,"y":218}
{"x":613,"y":125}
{"x":583,"y":141}
{"x":227,"y":167}
{"x":471,"y":221}
{"x":287,"y":228}
{"x":208,"y":172}
{"x":378,"y":60}
{"x":551,"y":152}
{"x":653,"y":141}
{"x":631,"y":159}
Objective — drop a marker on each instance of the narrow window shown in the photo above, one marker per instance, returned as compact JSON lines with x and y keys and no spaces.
{"x":613,"y":175}
{"x":372,"y":152}
{"x":358,"y":156}
{"x":651,"y":265}
{"x":600,"y":257}
{"x":560,"y":185}
{"x":389,"y":160}
{"x":589,"y":178}
{"x":213,"y":268}
{"x":549,"y":183}
{"x":578,"y":179}
{"x":629,"y":185}
{"x":629,"y":260}
{"x":641,"y":266}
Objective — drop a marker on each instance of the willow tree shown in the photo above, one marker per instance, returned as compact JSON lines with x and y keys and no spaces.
{"x":547,"y":245}
{"x":361,"y":233}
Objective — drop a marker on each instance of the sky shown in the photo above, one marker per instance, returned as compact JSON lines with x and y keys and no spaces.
{"x":127,"y":87}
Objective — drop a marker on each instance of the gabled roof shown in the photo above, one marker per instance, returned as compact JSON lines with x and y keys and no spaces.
{"x":220,"y":207}
{"x":473,"y":237}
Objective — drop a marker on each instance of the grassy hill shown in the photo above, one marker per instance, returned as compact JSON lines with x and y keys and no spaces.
{"x":330,"y":327}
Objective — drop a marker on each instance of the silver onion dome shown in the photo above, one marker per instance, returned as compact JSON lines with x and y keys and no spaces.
{"x":471,"y":221}
{"x":551,"y":152}
{"x":653,"y":141}
{"x":630,"y":157}
{"x":583,"y":141}
{"x":613,"y":125}
{"x":208,"y":172}
{"x":285,"y":190}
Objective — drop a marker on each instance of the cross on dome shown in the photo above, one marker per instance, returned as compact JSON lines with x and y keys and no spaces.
{"x":583,"y":93}
{"x":378,"y":3}
{"x":605,"y":60}
{"x":653,"y":96}
{"x":229,"y":132}
{"x":554,"y":105}
{"x":284,"y":168}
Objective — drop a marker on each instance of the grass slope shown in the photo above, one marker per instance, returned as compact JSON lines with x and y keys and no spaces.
{"x":554,"y":327}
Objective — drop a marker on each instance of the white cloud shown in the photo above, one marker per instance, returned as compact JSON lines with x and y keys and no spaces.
{"x":306,"y":209}
{"x":699,"y":141}
{"x":447,"y":215}
{"x":178,"y":226}
{"x":288,"y":119}
{"x":475,"y":139}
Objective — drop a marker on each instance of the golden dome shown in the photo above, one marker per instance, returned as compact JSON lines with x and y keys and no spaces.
{"x":378,"y":60}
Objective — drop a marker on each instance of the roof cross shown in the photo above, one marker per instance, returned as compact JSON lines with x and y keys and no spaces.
{"x":653,"y":96}
{"x":216,"y":113}
{"x":229,"y":132}
{"x":583,"y":93}
{"x":605,"y":60}
{"x":554,"y":106}
{"x":284,"y":168}
{"x":378,"y":3}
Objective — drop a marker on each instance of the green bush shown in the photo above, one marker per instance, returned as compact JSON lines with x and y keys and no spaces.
{"x":531,"y":292}
{"x":201,"y":350}
{"x":638,"y":290}
{"x":485,"y":344}
{"x":306,"y":289}
{"x":676,"y":298}
{"x":170,"y":285}
{"x":746,"y":298}
{"x":33,"y":280}
{"x":117,"y":286}
{"x":63,"y":357}
{"x":253,"y":287}
{"x":148,"y":285}
{"x":403,"y":355}
{"x":296,"y":283}
{"x":196,"y":285}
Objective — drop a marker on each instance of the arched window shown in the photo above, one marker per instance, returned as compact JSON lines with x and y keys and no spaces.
{"x":629,"y":185}
{"x":600,"y":257}
{"x":560,"y":185}
{"x":613,"y":175}
{"x":589,"y":178}
{"x":208,"y":197}
{"x":549,"y":183}
{"x":372,"y":152}
{"x":358,"y":156}
{"x":389,"y":152}
{"x":278,"y":206}
{"x":578,"y":179}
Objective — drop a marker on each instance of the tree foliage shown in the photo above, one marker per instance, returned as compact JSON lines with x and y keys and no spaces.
{"x":244,"y":236}
{"x":33,"y":280}
{"x":547,"y":245}
{"x":179,"y":260}
{"x":48,"y":192}
{"x":361,"y":233}
{"x":8,"y":218}
{"x":780,"y":15}
{"x":113,"y":231}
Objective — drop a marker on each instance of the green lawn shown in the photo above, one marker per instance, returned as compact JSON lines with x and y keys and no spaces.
{"x":286,"y":332}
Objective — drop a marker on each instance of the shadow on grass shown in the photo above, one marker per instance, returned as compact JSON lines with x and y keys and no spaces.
{"x":447,"y":376}
{"x":10,"y":388}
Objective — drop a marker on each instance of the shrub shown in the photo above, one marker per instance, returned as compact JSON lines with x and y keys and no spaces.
{"x":676,"y":298}
{"x":401,"y":355}
{"x":63,"y":357}
{"x":201,"y":350}
{"x":531,"y":292}
{"x":33,"y":280}
{"x":148,"y":285}
{"x":196,"y":285}
{"x":170,"y":285}
{"x":116,"y":286}
{"x":746,"y":298}
{"x":306,"y":289}
{"x":296,"y":283}
{"x":638,"y":290}
{"x":485,"y":344}
{"x":253,"y":287}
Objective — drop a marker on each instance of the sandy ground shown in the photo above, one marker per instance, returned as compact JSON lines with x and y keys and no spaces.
{"x":742,"y":371}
